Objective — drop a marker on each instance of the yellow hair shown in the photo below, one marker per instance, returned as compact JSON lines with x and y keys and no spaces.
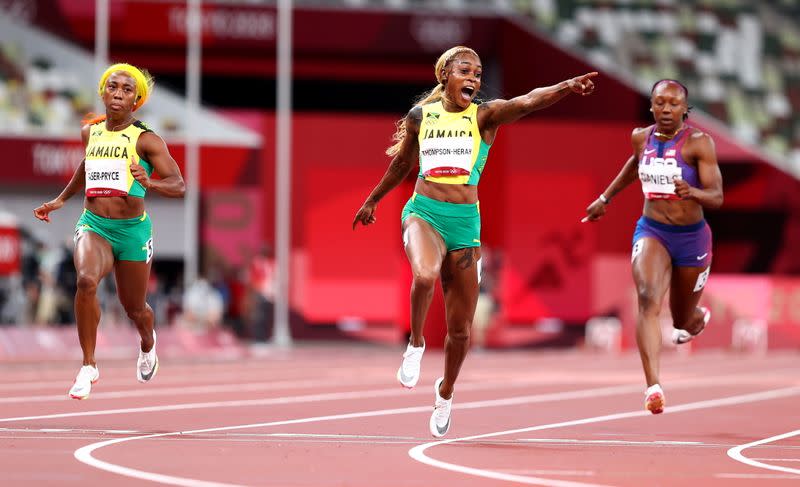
{"x":144,"y":81}
{"x":429,"y":96}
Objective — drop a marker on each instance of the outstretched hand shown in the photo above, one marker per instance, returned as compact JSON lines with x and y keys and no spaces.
{"x":43,"y":211}
{"x":365,"y":214}
{"x":582,"y":84}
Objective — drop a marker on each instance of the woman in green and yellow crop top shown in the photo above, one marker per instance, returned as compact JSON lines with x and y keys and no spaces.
{"x":114,"y":231}
{"x":451,"y":136}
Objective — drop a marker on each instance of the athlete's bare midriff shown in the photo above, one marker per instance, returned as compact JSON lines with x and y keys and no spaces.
{"x":673,"y":212}
{"x":115,"y":207}
{"x":449,"y":193}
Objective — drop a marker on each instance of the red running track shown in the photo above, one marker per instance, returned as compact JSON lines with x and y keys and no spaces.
{"x":333,"y":415}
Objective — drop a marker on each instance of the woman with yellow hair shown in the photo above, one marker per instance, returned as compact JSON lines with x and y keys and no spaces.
{"x":115,"y":231}
{"x":450,"y":135}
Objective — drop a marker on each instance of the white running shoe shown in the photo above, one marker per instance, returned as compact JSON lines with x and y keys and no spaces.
{"x":440,"y":419}
{"x":147,"y":365}
{"x":654,"y":399}
{"x":679,"y":337}
{"x":87,"y":376}
{"x":408,"y":373}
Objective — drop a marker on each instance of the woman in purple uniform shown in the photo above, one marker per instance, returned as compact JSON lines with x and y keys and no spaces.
{"x":677,"y":166}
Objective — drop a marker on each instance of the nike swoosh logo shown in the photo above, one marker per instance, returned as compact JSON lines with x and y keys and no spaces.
{"x":649,"y":151}
{"x":403,"y":377}
{"x":442,"y":431}
{"x":146,"y":377}
{"x":702,"y":256}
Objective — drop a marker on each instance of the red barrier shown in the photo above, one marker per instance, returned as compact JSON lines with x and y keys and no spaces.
{"x":744,"y":309}
{"x":9,"y":250}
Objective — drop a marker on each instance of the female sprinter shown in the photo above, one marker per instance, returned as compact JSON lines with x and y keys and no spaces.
{"x":451,"y":135}
{"x":115,"y":231}
{"x":677,"y":166}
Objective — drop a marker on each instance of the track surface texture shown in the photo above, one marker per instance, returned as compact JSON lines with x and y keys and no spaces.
{"x":334,"y":415}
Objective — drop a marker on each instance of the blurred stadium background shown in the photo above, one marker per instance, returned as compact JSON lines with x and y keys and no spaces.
{"x":356,"y":67}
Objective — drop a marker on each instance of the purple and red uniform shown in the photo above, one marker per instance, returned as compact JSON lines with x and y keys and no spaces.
{"x":661,"y":164}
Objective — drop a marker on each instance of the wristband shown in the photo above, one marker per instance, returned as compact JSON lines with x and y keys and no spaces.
{"x":603,"y":198}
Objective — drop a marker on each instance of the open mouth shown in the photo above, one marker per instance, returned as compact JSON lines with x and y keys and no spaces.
{"x":467,"y":92}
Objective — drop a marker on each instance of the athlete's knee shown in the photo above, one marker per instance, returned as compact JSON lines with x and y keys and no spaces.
{"x":139,"y":313}
{"x":425,"y":278}
{"x":87,"y":283}
{"x":648,"y":298}
{"x":459,"y":335}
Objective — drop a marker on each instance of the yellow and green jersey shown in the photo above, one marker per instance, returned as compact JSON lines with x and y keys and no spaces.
{"x":451,"y":150}
{"x":108,"y":157}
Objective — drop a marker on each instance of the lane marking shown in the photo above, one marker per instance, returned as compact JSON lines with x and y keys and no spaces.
{"x":70,"y":430}
{"x":577,"y":473}
{"x":336,"y":396}
{"x":396,"y":391}
{"x":208,"y":389}
{"x":767,"y":476}
{"x":615,"y":442}
{"x":736,"y":453}
{"x":418,"y":452}
{"x":84,"y":454}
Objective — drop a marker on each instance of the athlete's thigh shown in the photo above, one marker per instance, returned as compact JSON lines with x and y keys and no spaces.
{"x":461,"y":284}
{"x":132,"y":279}
{"x":685,"y":291}
{"x":93,"y":256}
{"x":652,"y":266}
{"x":424,"y":246}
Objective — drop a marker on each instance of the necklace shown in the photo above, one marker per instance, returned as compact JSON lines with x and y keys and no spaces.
{"x":115,"y":127}
{"x":667,"y":136}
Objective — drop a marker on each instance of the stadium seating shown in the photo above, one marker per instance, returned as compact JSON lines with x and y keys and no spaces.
{"x":738,"y":58}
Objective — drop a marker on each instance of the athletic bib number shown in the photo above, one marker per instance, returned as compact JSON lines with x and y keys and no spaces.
{"x":149,"y":247}
{"x":451,"y":156}
{"x":658,"y":177}
{"x":107,"y":177}
{"x":637,"y":249}
{"x":702,"y":279}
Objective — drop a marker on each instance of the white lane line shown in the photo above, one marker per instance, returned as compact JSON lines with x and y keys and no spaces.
{"x":327,"y":436}
{"x":110,"y":379}
{"x":777,"y":459}
{"x":207,"y":389}
{"x":85,"y":454}
{"x":736,"y":453}
{"x":765,"y":476}
{"x":337,"y":396}
{"x":613,"y":442}
{"x":576,"y":473}
{"x":418,"y":452}
{"x":266,"y":386}
{"x":396,"y":391}
{"x":70,"y":430}
{"x":163,"y":390}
